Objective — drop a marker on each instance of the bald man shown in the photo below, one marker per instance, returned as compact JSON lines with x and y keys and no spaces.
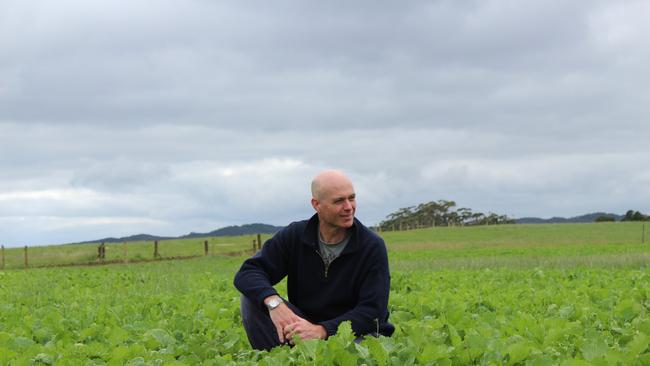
{"x":336,"y":269}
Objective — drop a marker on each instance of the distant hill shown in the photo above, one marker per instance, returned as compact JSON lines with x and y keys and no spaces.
{"x":237,"y":230}
{"x":559,"y":220}
{"x":137,"y":237}
{"x":225,"y":231}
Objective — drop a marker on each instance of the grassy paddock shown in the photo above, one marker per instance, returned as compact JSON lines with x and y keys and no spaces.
{"x":519,"y":246}
{"x":520,"y":235}
{"x":611,"y":260}
{"x":70,"y":254}
{"x":473,"y":247}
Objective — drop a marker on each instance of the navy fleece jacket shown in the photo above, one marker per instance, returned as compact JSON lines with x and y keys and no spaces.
{"x":355,"y":287}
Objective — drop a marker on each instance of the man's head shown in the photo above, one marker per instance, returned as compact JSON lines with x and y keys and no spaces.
{"x":334,"y":199}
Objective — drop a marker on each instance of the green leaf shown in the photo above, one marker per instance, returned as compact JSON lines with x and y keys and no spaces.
{"x":345,"y":333}
{"x":117,"y":336}
{"x":637,"y":346}
{"x":576,"y":362}
{"x":434,"y":352}
{"x":540,"y":360}
{"x":594,"y":347}
{"x":158,"y":338}
{"x":22,"y":342}
{"x":454,"y":338}
{"x":363,"y":352}
{"x":377,"y":350}
{"x":644,"y":359}
{"x":306,"y":350}
{"x":118,"y":356}
{"x":44,"y":358}
{"x":644,"y":326}
{"x":628,"y":309}
{"x":518,"y":352}
{"x":137,"y":361}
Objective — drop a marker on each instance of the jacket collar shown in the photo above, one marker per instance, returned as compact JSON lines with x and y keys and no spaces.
{"x":311,"y":233}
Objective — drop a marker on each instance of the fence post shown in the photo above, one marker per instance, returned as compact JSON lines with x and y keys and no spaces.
{"x":3,"y":257}
{"x":155,"y":249}
{"x":26,"y":260}
{"x":125,"y":259}
{"x":259,"y":242}
{"x":254,"y":246}
{"x":205,"y":248}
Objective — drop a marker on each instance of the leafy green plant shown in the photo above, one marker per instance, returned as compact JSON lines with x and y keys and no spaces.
{"x":187,"y":313}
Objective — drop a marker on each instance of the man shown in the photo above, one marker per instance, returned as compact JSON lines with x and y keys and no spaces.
{"x":336,"y":269}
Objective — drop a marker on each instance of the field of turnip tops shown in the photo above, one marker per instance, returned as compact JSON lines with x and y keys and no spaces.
{"x":187,"y":313}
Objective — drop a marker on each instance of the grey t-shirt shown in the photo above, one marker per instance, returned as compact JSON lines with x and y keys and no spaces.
{"x":329,"y":252}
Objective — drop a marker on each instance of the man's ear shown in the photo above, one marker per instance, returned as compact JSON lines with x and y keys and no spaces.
{"x":314,"y":204}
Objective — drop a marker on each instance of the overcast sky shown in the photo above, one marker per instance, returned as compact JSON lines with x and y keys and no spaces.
{"x":166,"y":117}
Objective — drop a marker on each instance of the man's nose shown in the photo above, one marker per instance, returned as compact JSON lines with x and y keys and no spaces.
{"x":347,"y":205}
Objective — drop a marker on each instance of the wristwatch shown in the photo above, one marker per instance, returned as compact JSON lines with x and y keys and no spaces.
{"x":274,"y":303}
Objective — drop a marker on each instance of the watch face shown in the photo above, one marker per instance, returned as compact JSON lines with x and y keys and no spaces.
{"x":273,"y":303}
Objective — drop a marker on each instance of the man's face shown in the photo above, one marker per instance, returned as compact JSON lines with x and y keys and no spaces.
{"x":337,"y":205}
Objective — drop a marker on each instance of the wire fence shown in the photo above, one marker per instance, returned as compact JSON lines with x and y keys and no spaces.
{"x":126,"y":252}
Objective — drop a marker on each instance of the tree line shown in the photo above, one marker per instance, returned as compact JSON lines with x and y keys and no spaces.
{"x":630,"y":215}
{"x":439,"y":213}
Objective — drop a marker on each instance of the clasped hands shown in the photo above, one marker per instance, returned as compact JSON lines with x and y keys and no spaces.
{"x":288,"y":325}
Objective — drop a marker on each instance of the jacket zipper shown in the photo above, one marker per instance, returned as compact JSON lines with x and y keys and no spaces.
{"x":327,"y":266}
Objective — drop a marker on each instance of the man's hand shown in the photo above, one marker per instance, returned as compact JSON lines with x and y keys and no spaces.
{"x":305,"y":330}
{"x":281,"y":317}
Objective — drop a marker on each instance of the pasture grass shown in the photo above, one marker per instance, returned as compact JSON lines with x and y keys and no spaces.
{"x":617,"y":244}
{"x":517,"y":235}
{"x":557,"y":245}
{"x":610,"y":260}
{"x":86,"y":254}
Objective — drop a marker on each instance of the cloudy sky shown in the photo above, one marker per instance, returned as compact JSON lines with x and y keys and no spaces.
{"x":165,"y":117}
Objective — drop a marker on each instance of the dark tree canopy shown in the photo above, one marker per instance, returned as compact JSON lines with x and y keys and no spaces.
{"x":439,"y":213}
{"x":605,"y":218}
{"x":632,"y":215}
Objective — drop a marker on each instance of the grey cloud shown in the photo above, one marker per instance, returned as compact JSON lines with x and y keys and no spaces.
{"x":320,"y":65}
{"x":120,"y":117}
{"x":119,"y":174}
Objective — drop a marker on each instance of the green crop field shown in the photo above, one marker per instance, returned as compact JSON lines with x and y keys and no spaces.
{"x":502,"y":295}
